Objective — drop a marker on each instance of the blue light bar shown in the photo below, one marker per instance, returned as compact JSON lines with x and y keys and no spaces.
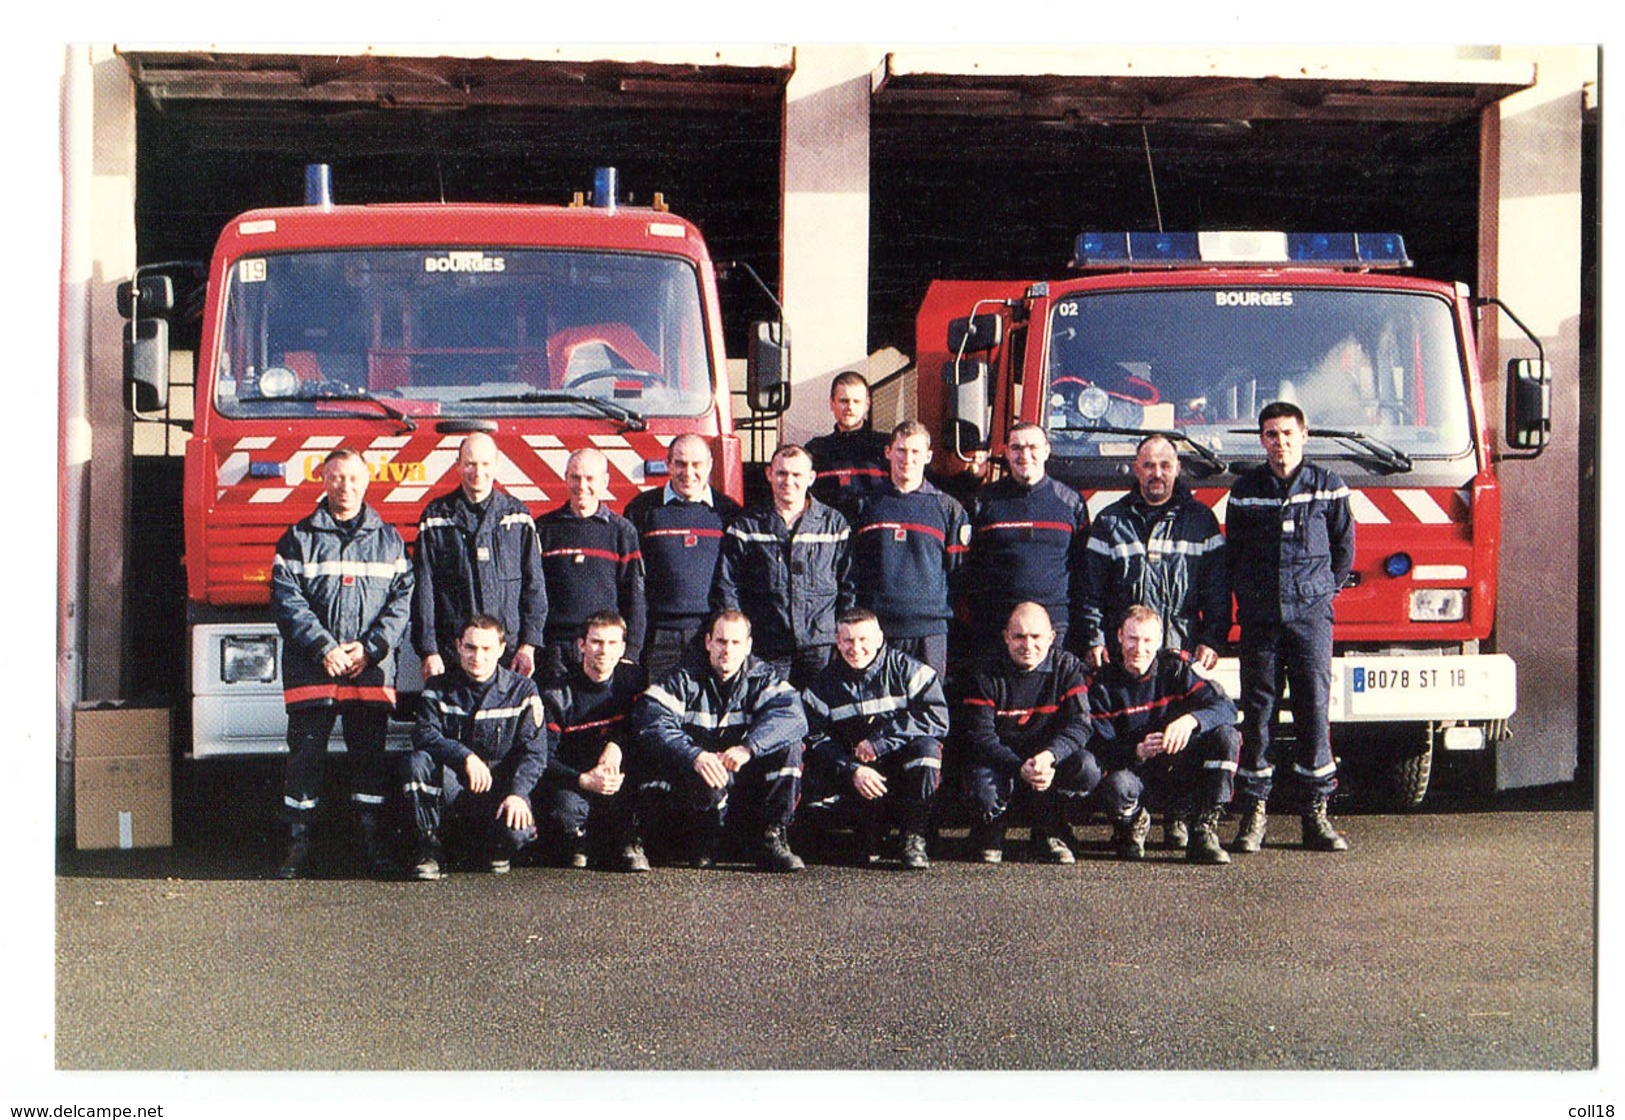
{"x":1176,"y":250}
{"x":1382,"y":248}
{"x":1320,"y":246}
{"x":1100,"y":248}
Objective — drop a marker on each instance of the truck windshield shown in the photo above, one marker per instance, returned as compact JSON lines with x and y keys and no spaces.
{"x":1385,"y":365}
{"x":462,"y":332}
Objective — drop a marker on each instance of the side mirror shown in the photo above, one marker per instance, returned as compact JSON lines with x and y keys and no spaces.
{"x":146,"y":365}
{"x":971,"y":334}
{"x":1529,"y":403}
{"x":146,"y":296}
{"x":767,"y":368}
{"x":965,"y":414}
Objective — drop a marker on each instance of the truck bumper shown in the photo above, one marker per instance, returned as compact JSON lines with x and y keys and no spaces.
{"x":237,"y":703}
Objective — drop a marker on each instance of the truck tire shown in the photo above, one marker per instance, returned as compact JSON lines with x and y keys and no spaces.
{"x":1408,"y":778}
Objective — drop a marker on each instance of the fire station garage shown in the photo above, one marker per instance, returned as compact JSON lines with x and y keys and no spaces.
{"x":849,"y":178}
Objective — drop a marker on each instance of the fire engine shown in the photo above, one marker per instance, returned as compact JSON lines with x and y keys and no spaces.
{"x":1190,"y":334}
{"x":398,"y":330}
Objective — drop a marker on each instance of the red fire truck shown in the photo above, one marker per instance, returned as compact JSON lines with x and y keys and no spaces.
{"x":1190,"y":334}
{"x":398,"y":330}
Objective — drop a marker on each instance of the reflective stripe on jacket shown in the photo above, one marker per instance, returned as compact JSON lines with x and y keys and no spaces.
{"x":330,"y":585}
{"x":1289,"y":542}
{"x":1170,"y":558}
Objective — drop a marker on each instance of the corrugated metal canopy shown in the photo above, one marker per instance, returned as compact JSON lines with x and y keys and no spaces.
{"x":579,"y":76}
{"x":1137,"y":85}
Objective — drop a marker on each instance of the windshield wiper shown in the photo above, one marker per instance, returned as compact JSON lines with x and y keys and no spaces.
{"x":1215,"y":464}
{"x":1386,"y":454}
{"x":632,"y":421}
{"x":351,"y":393}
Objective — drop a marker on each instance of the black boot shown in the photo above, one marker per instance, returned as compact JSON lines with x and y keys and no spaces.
{"x":1128,"y":834}
{"x":1318,"y":833}
{"x":868,"y":835}
{"x":1175,"y":834}
{"x":632,"y":857}
{"x":915,"y":856}
{"x":707,"y":842}
{"x":297,"y":860}
{"x":987,"y":841}
{"x":373,"y":855}
{"x":1204,"y":846}
{"x":575,"y":855}
{"x":427,"y":857}
{"x":775,"y":854}
{"x":1254,"y":820}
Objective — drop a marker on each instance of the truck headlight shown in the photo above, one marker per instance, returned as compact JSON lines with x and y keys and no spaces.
{"x":1439,"y":604}
{"x":248,"y":659}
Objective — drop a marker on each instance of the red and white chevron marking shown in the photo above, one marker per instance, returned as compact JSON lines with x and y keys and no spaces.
{"x":1374,"y":506}
{"x":407,"y":468}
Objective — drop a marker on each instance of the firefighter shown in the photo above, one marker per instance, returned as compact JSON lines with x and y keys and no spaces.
{"x":1160,"y":547}
{"x":478,"y":752}
{"x":726,"y":737}
{"x":851,"y":460}
{"x":680,"y":535}
{"x":588,"y":788}
{"x":1029,"y":535}
{"x":787,"y":565}
{"x":341,"y":591}
{"x":876,"y":719}
{"x":477,"y":553}
{"x":591,"y":562}
{"x":908,"y":540}
{"x":1290,"y":547}
{"x":1026,"y":730}
{"x":1162,"y":733}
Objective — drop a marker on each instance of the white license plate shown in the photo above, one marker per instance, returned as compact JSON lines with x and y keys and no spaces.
{"x":1476,"y":687}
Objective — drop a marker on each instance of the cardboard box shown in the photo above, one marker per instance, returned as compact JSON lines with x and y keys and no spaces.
{"x":112,"y":727}
{"x":121,"y":777}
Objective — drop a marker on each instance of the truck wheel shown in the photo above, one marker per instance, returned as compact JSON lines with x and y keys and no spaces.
{"x":1408,"y":779}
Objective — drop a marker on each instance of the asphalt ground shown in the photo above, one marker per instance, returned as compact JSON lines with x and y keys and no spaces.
{"x":1457,"y":938}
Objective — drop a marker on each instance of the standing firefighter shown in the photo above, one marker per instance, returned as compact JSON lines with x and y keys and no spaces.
{"x":787,"y":565}
{"x":908,"y":540}
{"x":1159,"y":547}
{"x":591,"y":561}
{"x":477,"y":554}
{"x":680,"y":534}
{"x":1291,"y":546}
{"x":851,"y":460}
{"x":341,"y":590}
{"x":1029,"y":540}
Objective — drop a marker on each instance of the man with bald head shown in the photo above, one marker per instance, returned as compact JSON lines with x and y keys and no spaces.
{"x":1026,"y":727}
{"x":680,"y":528}
{"x":591,"y":561}
{"x":477,"y":554}
{"x":1157,"y":546}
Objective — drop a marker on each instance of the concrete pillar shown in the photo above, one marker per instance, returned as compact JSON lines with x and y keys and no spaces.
{"x":1531,"y":234}
{"x":93,"y":437}
{"x":826,"y":225}
{"x":111,"y":224}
